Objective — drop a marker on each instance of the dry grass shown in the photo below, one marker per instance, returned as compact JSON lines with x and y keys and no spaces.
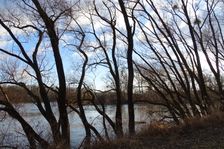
{"x":205,"y":133}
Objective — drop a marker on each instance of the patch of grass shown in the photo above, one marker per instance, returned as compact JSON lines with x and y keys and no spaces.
{"x":206,"y":133}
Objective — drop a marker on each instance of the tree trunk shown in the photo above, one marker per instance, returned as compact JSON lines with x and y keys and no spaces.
{"x":131,"y":112}
{"x":30,"y":133}
{"x":63,"y":115}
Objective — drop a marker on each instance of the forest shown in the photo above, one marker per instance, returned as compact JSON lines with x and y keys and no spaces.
{"x":74,"y":53}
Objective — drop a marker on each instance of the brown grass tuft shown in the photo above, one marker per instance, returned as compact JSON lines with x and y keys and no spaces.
{"x":205,"y":132}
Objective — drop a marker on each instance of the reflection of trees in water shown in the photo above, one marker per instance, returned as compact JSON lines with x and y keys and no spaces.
{"x":168,"y":41}
{"x":14,"y":131}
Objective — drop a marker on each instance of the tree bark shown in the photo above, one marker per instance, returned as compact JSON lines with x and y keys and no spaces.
{"x":131,"y":124}
{"x":63,"y":115}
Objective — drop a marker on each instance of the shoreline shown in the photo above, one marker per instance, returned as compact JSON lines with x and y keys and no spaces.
{"x":206,"y":132}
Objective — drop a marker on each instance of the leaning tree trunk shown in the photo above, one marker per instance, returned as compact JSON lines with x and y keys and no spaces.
{"x":63,"y":115}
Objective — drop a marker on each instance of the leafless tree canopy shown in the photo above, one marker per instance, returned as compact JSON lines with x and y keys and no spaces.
{"x":165,"y":53}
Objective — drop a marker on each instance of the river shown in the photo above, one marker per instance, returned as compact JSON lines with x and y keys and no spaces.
{"x":11,"y":132}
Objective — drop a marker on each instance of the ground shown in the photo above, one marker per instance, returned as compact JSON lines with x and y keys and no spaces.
{"x":204,"y":133}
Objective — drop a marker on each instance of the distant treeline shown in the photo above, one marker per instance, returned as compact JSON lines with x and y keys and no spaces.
{"x":17,"y":94}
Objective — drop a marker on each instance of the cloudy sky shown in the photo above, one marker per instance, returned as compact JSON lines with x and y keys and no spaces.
{"x":71,"y":58}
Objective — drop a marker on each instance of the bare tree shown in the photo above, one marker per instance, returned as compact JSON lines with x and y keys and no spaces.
{"x":175,"y":67}
{"x":130,"y":47}
{"x":48,"y":26}
{"x":110,"y":54}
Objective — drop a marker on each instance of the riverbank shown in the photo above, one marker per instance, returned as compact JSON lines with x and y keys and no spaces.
{"x":206,"y":133}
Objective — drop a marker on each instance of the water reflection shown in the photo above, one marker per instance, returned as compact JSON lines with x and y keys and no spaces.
{"x":11,"y":132}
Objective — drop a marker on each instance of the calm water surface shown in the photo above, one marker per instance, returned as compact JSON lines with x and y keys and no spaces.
{"x":11,"y":132}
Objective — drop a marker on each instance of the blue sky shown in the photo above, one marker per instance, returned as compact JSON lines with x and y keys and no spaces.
{"x":3,"y":3}
{"x":70,"y":59}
